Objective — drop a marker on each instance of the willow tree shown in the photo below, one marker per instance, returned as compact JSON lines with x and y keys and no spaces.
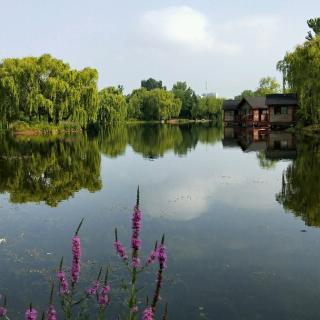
{"x":112,"y":106}
{"x":159,"y":104}
{"x":301,"y":69}
{"x":47,"y":89}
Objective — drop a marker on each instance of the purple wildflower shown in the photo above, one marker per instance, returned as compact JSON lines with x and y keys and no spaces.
{"x":135,"y":243}
{"x":51,"y":313}
{"x":152,"y":256}
{"x":135,"y":262}
{"x":136,"y":227}
{"x":147,"y":314}
{"x":31,"y":314}
{"x":3,"y":311}
{"x":121,"y":251}
{"x":64,"y":287}
{"x":76,"y":255}
{"x":162,"y":255}
{"x":103,"y":297}
{"x":136,"y":218}
{"x":94,"y":288}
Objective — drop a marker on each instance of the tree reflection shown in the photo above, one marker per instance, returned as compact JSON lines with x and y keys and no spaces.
{"x":113,"y":140}
{"x":301,"y":183}
{"x":50,"y":170}
{"x":153,"y":141}
{"x":38,"y":169}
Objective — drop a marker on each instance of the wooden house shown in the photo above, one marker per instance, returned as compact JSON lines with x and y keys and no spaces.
{"x":282,"y":109}
{"x":230,"y":110}
{"x":253,"y":112}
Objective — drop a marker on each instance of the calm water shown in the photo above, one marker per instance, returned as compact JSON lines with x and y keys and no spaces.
{"x":240,"y":210}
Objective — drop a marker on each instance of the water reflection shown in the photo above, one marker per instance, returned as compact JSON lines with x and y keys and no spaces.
{"x":270,"y":146}
{"x":234,"y":254}
{"x":300,"y":191}
{"x":153,"y":141}
{"x":49,"y":170}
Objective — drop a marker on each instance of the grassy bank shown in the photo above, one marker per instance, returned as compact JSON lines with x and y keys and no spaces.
{"x":313,"y":129}
{"x":41,"y":128}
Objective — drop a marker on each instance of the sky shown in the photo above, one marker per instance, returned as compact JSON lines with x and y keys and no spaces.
{"x":215,"y":46}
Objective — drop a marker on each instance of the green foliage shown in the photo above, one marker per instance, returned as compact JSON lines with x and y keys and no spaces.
{"x":188,"y":98}
{"x":156,"y":104}
{"x":112,"y":106}
{"x":47,"y":89}
{"x":245,"y":93}
{"x":267,"y":85}
{"x":43,"y":128}
{"x":302,"y":69}
{"x":151,"y":84}
{"x":314,"y":24}
{"x":160,"y":104}
{"x":135,"y":102}
{"x":209,"y":107}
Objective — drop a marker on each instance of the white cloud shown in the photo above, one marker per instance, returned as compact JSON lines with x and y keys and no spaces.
{"x":185,"y":27}
{"x":257,"y":31}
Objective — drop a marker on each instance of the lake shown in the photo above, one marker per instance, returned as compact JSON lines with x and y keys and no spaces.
{"x":240,"y":210}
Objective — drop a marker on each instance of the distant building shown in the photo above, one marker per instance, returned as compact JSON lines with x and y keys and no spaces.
{"x":230,"y":108}
{"x":210,"y":94}
{"x":253,"y":111}
{"x":273,"y":110}
{"x":282,"y":109}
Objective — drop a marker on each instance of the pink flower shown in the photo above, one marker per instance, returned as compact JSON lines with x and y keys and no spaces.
{"x":135,"y":243}
{"x":51,"y":313}
{"x":94,"y":288}
{"x":76,"y":255}
{"x":135,"y":262}
{"x":31,"y":314}
{"x":64,"y":287}
{"x":162,"y":255}
{"x":3,"y":311}
{"x":136,"y":227}
{"x":152,"y":257}
{"x":136,"y":219}
{"x":121,"y":251}
{"x":147,"y":314}
{"x":103,"y":297}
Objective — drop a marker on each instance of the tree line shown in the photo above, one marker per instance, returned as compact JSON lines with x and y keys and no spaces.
{"x":45,"y":89}
{"x":300,"y":69}
{"x":267,"y":85}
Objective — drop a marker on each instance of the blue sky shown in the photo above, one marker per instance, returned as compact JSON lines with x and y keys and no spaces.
{"x":228,"y":44}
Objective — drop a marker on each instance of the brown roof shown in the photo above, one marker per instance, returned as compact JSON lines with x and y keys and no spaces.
{"x":229,"y":105}
{"x":282,"y":99}
{"x":255,"y":102}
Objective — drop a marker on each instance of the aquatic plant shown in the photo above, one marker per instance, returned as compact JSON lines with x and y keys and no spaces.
{"x":74,"y":304}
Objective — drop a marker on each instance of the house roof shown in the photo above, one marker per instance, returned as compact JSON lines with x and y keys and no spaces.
{"x":282,"y":99}
{"x":255,"y":102}
{"x":229,"y":105}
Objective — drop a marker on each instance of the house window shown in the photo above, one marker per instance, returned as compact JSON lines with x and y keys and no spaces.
{"x":277,"y":110}
{"x":281,"y":110}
